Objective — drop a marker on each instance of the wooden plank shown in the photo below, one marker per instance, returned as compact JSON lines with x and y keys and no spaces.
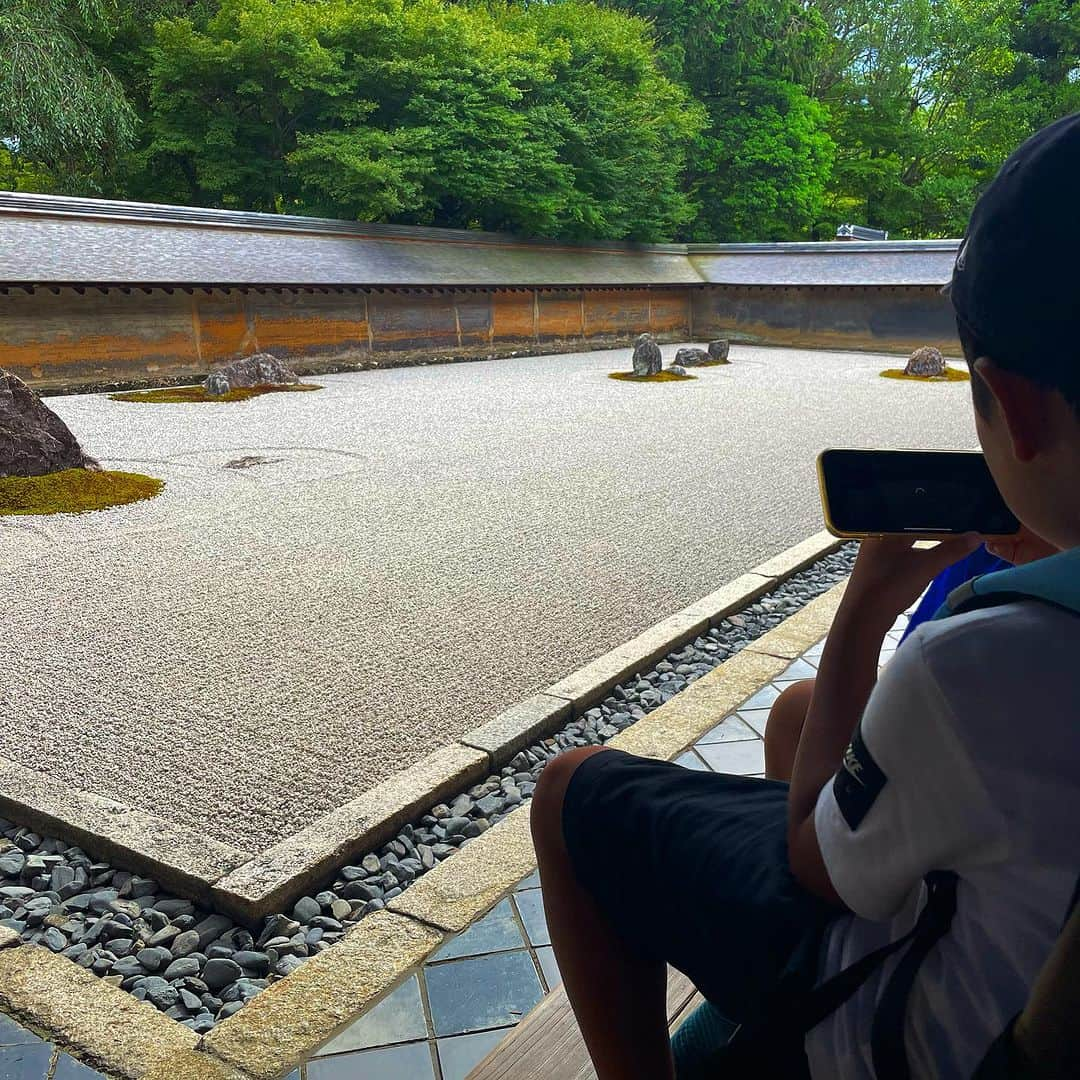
{"x":675,"y":1022}
{"x":547,"y":1045}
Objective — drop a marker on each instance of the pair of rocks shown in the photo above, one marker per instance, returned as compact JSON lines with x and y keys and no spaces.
{"x":261,"y":369}
{"x":34,"y":441}
{"x":717,"y":353}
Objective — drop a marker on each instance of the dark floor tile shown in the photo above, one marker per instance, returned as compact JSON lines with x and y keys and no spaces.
{"x":410,"y":1062}
{"x":482,"y":992}
{"x":549,"y":966}
{"x":799,"y":669}
{"x":763,"y":699}
{"x":689,"y":760}
{"x":730,"y":729}
{"x":26,"y":1062}
{"x":67,"y":1068}
{"x":497,"y":931}
{"x":757,"y":719}
{"x":460,"y":1054}
{"x":13,"y":1034}
{"x":530,"y":905}
{"x":737,"y":758}
{"x":531,"y":882}
{"x":398,"y":1018}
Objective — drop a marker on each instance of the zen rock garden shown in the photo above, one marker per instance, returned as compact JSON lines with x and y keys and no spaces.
{"x":648,"y":363}
{"x":199,"y":967}
{"x":44,"y":470}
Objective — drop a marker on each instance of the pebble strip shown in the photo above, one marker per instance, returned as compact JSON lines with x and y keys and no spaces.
{"x":199,"y":967}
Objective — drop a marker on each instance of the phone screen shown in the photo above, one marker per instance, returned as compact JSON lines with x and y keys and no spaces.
{"x":912,"y":491}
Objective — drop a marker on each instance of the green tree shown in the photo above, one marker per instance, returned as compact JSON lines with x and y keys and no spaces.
{"x":927,"y":97}
{"x":550,"y":120}
{"x":63,"y":114}
{"x":759,"y":169}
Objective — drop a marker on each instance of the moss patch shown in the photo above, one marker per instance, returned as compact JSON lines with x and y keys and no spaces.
{"x":660,"y":376}
{"x":951,"y":375}
{"x":74,"y":491}
{"x":186,"y":395}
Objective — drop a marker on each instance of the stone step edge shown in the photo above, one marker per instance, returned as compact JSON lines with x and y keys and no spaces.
{"x":292,"y":1019}
{"x":278,"y":876}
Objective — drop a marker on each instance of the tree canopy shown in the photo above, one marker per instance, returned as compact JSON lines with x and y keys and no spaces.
{"x":638,"y":119}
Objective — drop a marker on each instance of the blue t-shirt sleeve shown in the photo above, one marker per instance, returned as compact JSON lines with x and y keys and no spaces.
{"x":979,"y":562}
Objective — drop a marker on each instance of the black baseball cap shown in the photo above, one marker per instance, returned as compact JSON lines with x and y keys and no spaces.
{"x":1016,"y":282}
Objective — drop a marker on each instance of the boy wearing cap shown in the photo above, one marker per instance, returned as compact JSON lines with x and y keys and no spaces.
{"x":918,"y":868}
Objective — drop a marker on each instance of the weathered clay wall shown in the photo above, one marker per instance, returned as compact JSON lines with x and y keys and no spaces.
{"x":874,"y":318}
{"x":64,"y":337}
{"x":59,"y":338}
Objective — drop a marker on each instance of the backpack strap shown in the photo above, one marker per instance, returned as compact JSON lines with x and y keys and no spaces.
{"x":1054,"y":581}
{"x":887,"y":1034}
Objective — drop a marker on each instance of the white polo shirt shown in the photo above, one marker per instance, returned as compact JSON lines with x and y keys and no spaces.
{"x":969,"y":761}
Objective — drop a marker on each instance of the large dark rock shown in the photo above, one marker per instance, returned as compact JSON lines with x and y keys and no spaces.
{"x":33,"y":439}
{"x":262,"y":369}
{"x":718,"y":350}
{"x":926,"y":361}
{"x":691,"y":357}
{"x":647,"y":358}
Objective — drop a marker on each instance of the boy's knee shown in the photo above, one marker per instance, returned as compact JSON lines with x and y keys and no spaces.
{"x":547,"y":800}
{"x":788,"y":714}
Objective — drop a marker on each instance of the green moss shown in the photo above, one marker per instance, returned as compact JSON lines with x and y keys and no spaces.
{"x":951,"y":375}
{"x":186,"y":395}
{"x":74,"y":491}
{"x":660,"y":376}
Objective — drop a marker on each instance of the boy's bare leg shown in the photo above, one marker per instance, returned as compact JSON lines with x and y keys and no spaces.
{"x":618,"y":995}
{"x":784,"y":729}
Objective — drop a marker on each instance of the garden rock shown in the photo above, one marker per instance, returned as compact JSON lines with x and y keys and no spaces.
{"x":262,"y":369}
{"x":718,"y":350}
{"x":647,"y":359}
{"x":691,"y":357}
{"x":33,"y":439}
{"x":926,"y":361}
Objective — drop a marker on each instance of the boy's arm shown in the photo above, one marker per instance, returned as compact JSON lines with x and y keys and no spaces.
{"x":889,"y":576}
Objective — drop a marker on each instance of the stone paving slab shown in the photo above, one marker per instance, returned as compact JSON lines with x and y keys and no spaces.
{"x":421,"y":549}
{"x":106,"y":1024}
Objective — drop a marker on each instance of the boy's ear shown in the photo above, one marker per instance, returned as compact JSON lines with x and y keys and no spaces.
{"x":1021,"y":404}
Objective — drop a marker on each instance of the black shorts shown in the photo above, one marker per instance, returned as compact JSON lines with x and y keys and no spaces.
{"x":692,"y":868}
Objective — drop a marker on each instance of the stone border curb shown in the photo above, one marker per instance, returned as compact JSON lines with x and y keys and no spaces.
{"x":179,"y":858}
{"x":103,"y":1023}
{"x":800,"y":556}
{"x":451,"y":897}
{"x":277,"y":1030}
{"x":519,"y":726}
{"x":812,"y":622}
{"x":279,"y":875}
{"x":194,"y":1065}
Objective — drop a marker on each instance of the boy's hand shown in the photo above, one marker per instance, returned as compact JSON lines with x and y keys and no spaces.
{"x":891,"y":573}
{"x":1020,"y":548}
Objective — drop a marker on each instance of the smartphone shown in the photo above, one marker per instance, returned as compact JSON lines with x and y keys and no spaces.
{"x":922,"y":493}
